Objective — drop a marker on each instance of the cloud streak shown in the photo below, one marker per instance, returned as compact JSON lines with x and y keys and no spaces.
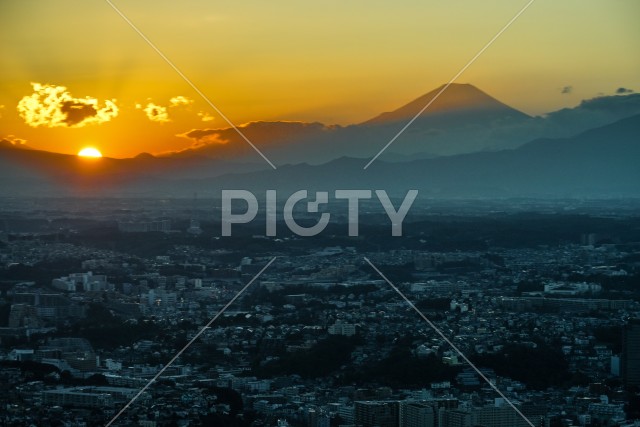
{"x":271,"y":133}
{"x":14,"y":141}
{"x":54,"y":106}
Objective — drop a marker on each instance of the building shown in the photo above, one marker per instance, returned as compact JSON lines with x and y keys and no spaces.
{"x":81,"y":281}
{"x":499,"y":415}
{"x":49,"y":306}
{"x":317,"y":418}
{"x":576,"y":305}
{"x":89,"y":397}
{"x":163,"y":225}
{"x":345,"y":329}
{"x":23,"y":315}
{"x":74,"y":352}
{"x":377,"y":414}
{"x":456,"y":418}
{"x":347,"y":413}
{"x":77,"y":398}
{"x":21,"y":355}
{"x":194,"y":227}
{"x":159,"y":297}
{"x":631,"y":353}
{"x":416,"y":414}
{"x":615,"y":365}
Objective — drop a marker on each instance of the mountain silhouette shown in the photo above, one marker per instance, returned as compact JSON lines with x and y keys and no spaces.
{"x":36,"y":172}
{"x":457,"y":100}
{"x":600,"y":163}
{"x":463,"y":119}
{"x":466,"y":144}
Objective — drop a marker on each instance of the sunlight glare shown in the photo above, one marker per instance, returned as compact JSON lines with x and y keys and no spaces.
{"x":90,"y":152}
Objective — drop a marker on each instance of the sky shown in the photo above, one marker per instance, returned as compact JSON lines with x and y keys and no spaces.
{"x":74,"y":74}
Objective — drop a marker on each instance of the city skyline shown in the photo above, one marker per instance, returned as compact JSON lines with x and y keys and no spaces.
{"x":329,"y":214}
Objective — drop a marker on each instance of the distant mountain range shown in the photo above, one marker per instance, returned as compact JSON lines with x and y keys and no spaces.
{"x":42,"y":173}
{"x":599,"y":163}
{"x":463,"y":119}
{"x":483,"y":148}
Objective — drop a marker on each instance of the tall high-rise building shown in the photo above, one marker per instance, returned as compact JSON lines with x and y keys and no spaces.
{"x":194,"y":227}
{"x":631,"y":352}
{"x":377,"y":413}
{"x":456,"y":418}
{"x":312,"y":418}
{"x":23,"y":315}
{"x":194,"y":224}
{"x":416,"y":414}
{"x":498,"y":416}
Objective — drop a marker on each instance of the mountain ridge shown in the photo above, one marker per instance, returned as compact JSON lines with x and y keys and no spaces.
{"x":470,"y":150}
{"x":601,"y":162}
{"x":466,"y":120}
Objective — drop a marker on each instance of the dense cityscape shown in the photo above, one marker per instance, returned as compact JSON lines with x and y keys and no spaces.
{"x":529,"y":318}
{"x":320,"y":214}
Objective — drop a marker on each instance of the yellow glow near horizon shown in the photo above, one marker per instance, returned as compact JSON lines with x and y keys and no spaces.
{"x":333,"y":62}
{"x":90,"y":152}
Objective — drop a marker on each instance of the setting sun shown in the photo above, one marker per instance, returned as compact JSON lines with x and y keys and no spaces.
{"x":89,"y":152}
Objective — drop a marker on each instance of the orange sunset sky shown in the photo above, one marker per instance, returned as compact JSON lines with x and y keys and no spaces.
{"x":74,"y":74}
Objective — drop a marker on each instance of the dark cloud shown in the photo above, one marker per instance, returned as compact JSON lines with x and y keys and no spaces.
{"x":77,"y":112}
{"x":272,"y":132}
{"x":623,"y":90}
{"x":590,"y":113}
{"x":621,"y":105}
{"x":208,"y":136}
{"x":12,"y":142}
{"x":263,"y":134}
{"x":567,"y":89}
{"x":54,"y":106}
